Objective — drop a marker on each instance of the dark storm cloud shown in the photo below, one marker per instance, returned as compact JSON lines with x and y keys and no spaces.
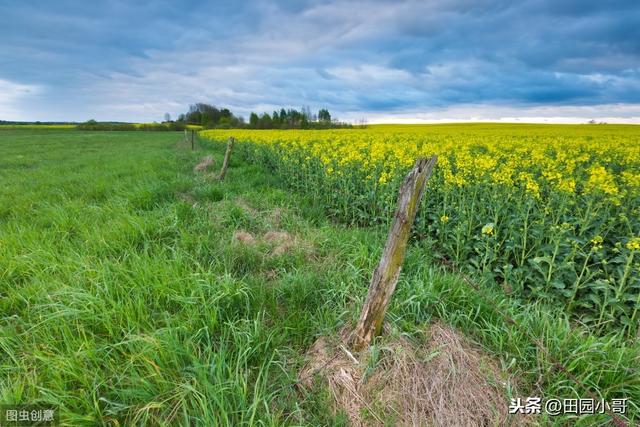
{"x":136,"y":60}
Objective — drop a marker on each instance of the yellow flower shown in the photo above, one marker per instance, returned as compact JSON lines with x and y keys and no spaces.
{"x":444,"y":218}
{"x":601,"y":180}
{"x":633,"y":244}
{"x":557,"y":163}
{"x":597,"y":242}
{"x":488,"y":229}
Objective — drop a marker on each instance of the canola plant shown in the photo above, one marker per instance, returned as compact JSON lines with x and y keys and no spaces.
{"x":550,"y":213}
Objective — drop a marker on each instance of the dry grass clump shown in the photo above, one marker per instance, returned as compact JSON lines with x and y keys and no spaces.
{"x":280,"y":242}
{"x":244,"y":237}
{"x":204,"y":164}
{"x":445,"y":381}
{"x":277,"y":236}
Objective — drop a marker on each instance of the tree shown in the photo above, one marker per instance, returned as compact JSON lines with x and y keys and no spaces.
{"x":324,"y":115}
{"x":265,"y":121}
{"x":203,"y":114}
{"x":225,"y":112}
{"x":167,"y":117}
{"x":294,"y":118}
{"x":224,"y":123}
{"x":253,"y":120}
{"x":306,"y":112}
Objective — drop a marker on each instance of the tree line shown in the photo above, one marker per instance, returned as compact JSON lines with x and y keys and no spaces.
{"x":210,"y":117}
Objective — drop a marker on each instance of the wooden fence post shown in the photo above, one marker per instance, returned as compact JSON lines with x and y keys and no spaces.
{"x":385,"y":277}
{"x":192,"y":145}
{"x":225,"y":162}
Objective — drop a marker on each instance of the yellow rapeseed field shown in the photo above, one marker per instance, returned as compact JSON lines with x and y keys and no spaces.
{"x":567,"y":160}
{"x":549,"y":212}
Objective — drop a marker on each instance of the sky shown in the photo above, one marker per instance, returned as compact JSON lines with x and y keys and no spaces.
{"x":374,"y":60}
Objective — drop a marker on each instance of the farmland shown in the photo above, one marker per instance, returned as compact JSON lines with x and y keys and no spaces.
{"x":549,"y":213}
{"x":136,"y":291}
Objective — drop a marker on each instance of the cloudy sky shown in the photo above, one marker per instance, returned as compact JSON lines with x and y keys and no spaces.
{"x":398,"y":61}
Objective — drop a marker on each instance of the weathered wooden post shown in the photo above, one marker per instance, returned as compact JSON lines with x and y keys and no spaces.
{"x":225,"y":162}
{"x":385,"y":277}
{"x":192,"y":145}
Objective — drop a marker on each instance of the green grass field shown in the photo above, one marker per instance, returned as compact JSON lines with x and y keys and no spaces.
{"x":126,"y":300}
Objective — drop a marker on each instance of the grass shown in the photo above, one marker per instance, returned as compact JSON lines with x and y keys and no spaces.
{"x":124,"y":298}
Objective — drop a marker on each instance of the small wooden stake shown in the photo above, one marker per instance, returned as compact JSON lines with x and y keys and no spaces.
{"x":225,"y":162}
{"x":385,"y":277}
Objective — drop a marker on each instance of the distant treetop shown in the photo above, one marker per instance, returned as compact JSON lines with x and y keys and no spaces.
{"x":210,"y":117}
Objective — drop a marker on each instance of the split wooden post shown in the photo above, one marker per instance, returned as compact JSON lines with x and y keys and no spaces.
{"x":225,"y":162}
{"x":385,"y":277}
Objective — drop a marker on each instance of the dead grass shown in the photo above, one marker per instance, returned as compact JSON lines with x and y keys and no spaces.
{"x":244,"y":237}
{"x":204,"y":164}
{"x":282,"y":240}
{"x":445,"y":381}
{"x":277,"y":237}
{"x":279,"y":242}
